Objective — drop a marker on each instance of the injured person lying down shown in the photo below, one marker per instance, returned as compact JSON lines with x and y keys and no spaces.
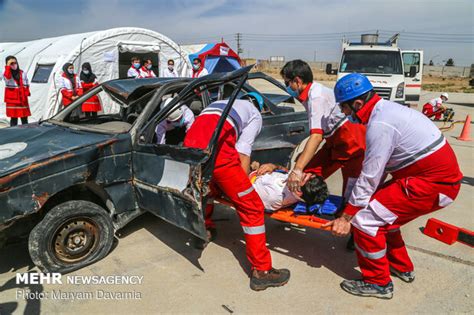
{"x":269,"y":182}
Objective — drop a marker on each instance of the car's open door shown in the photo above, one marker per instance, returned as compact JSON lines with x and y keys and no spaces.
{"x":172,"y":181}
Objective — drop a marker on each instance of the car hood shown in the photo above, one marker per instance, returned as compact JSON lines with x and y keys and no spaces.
{"x":24,"y":145}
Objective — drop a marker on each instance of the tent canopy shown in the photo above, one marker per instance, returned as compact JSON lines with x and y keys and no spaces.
{"x":216,"y":57}
{"x":107,"y":51}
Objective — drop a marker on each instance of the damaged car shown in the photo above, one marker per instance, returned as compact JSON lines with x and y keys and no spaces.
{"x":71,"y":182}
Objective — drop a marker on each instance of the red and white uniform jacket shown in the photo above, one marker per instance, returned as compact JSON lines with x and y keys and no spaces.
{"x":93,"y":103}
{"x":145,"y":73}
{"x":200,"y":73}
{"x":244,"y":118}
{"x":324,"y":115}
{"x":436,"y":103}
{"x":67,"y":90}
{"x":134,"y":73}
{"x":186,"y":121}
{"x":397,"y":137}
{"x":16,"y":94}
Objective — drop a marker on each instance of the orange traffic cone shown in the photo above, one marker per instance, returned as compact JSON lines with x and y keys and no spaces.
{"x":466,"y":130}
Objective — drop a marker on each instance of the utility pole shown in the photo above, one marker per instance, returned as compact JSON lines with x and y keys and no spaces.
{"x":314,"y":56}
{"x":238,"y":38}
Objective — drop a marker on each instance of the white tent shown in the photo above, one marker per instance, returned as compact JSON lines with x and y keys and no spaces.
{"x":107,"y":51}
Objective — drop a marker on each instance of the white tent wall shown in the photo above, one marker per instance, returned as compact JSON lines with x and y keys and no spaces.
{"x":99,"y":48}
{"x":192,"y":49}
{"x":29,"y":54}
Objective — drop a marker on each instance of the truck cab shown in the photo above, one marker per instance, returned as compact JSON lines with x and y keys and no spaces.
{"x":395,"y":74}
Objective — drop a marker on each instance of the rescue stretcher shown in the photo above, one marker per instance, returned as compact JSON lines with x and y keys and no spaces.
{"x":288,"y":215}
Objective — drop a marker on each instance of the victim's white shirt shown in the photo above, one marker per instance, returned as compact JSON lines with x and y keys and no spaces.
{"x":273,"y":191}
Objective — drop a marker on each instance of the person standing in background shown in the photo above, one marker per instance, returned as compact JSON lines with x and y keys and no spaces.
{"x":134,"y":70}
{"x":17,"y":90}
{"x":89,"y":81}
{"x":198,"y":69}
{"x":170,"y":72}
{"x":146,"y":71}
{"x":71,"y":87}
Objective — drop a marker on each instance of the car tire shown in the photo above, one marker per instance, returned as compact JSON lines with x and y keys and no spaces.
{"x":72,"y":235}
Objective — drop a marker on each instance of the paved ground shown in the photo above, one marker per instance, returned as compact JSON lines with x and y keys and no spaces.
{"x":180,"y":279}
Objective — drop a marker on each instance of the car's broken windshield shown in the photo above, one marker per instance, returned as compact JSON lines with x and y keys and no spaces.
{"x":102,"y":112}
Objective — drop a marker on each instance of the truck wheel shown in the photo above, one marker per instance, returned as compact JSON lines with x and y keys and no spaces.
{"x":72,"y":235}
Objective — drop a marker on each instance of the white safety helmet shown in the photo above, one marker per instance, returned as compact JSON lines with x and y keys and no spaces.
{"x":445,"y":95}
{"x":176,"y":114}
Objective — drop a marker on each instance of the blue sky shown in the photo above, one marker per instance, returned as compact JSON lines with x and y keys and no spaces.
{"x":187,"y":21}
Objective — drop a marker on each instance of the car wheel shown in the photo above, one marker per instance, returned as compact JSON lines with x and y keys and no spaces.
{"x":72,"y":235}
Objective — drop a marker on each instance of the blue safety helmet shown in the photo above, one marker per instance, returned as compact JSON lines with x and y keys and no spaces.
{"x":256,"y":98}
{"x":351,"y":86}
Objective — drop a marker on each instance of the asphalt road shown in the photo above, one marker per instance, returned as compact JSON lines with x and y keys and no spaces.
{"x":180,"y":279}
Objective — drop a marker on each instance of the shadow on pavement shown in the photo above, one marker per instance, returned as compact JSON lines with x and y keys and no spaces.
{"x":33,"y":305}
{"x":175,"y":238}
{"x":15,"y":257}
{"x":316,"y":248}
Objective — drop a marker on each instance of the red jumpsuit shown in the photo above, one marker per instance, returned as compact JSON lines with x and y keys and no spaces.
{"x":16,"y":94}
{"x":230,"y":178}
{"x":67,"y":89}
{"x":433,"y":108}
{"x":425,"y":178}
{"x":93,"y":103}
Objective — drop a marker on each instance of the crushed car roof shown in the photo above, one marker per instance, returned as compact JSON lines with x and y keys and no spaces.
{"x":124,"y":89}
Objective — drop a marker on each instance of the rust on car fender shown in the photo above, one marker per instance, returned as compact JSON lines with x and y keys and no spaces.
{"x":33,"y":166}
{"x":40,"y":200}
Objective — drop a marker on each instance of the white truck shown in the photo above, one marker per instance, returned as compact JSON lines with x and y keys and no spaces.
{"x":395,"y":74}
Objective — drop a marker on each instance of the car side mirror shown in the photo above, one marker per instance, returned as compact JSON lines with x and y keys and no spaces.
{"x":329,"y":68}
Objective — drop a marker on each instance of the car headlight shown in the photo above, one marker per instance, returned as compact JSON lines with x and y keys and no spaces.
{"x":400,"y":89}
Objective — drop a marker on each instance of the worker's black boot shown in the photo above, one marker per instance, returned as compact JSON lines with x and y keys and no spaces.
{"x":260,"y":280}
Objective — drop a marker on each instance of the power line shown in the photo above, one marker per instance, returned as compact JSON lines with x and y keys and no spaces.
{"x":352,"y":36}
{"x":380,"y":32}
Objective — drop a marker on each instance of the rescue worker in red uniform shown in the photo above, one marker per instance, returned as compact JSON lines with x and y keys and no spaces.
{"x":345,"y":141}
{"x":88,"y":81}
{"x":198,"y":69}
{"x":230,"y":177}
{"x":146,"y":70}
{"x":134,"y":70}
{"x":17,"y":90}
{"x":425,"y":178}
{"x":435,"y":107}
{"x":70,"y":85}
